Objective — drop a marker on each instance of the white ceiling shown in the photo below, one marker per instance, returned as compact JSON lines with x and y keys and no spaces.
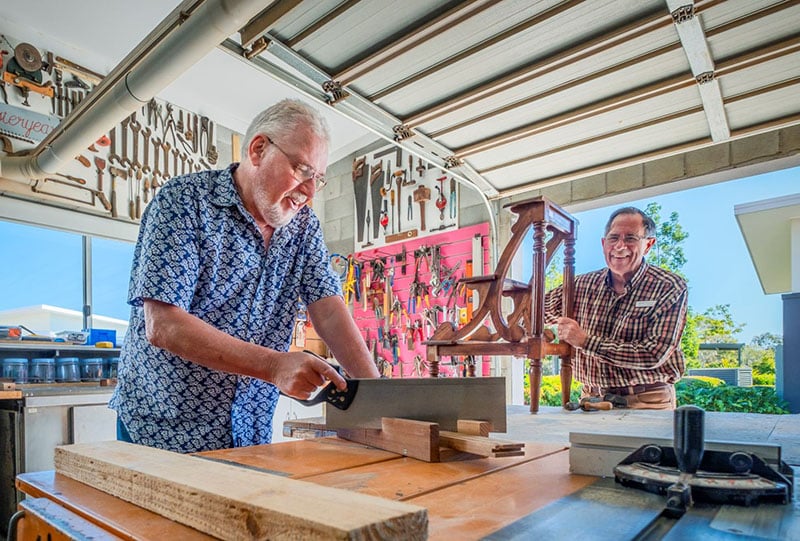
{"x":98,"y":34}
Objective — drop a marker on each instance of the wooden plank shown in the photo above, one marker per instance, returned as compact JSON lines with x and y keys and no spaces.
{"x":113,"y":515}
{"x":232,"y":502}
{"x":45,"y":519}
{"x":404,"y":478}
{"x":10,"y":395}
{"x":416,"y":439}
{"x":303,"y":458}
{"x":476,"y":428}
{"x":400,"y":479}
{"x":480,"y":445}
{"x":480,"y":506}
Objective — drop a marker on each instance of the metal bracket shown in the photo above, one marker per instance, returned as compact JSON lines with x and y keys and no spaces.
{"x":452,"y":161}
{"x":335,"y":92}
{"x":402,"y":132}
{"x":683,"y":14}
{"x":705,"y":77}
{"x":257,"y":48}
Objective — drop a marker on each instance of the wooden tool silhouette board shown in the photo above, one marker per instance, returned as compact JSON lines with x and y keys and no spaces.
{"x":399,"y":197}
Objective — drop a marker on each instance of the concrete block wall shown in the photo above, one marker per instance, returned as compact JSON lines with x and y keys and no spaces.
{"x":737,"y":158}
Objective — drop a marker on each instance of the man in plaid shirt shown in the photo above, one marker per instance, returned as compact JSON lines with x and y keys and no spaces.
{"x":628,"y":322}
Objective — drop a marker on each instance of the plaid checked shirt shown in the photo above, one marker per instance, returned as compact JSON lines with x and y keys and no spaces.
{"x":635,"y":337}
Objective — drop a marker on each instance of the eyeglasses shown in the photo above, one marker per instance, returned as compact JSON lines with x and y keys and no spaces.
{"x":630,"y":240}
{"x":302,"y":171}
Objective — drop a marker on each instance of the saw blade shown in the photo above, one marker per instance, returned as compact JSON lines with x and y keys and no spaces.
{"x":438,"y":400}
{"x":28,"y":57}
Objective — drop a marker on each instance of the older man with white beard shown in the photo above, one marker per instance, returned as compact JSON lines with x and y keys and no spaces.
{"x":628,"y":320}
{"x":221,"y":261}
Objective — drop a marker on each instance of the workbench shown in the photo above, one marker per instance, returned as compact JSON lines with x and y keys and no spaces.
{"x":467,"y":497}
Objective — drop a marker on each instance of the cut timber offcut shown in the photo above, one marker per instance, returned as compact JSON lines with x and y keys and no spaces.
{"x":230,"y":502}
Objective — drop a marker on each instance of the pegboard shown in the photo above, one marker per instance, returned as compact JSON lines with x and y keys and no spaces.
{"x":395,"y":337}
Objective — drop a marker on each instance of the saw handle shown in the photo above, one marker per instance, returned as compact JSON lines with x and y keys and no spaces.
{"x":329,"y":393}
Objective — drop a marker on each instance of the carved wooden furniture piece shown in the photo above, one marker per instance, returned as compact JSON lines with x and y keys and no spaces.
{"x":520,"y":331}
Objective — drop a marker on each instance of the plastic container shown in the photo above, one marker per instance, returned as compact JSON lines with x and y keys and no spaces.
{"x":16,"y":369}
{"x":42,"y":370}
{"x":101,"y":335}
{"x":110,"y":367}
{"x":67,"y":369}
{"x":91,"y":369}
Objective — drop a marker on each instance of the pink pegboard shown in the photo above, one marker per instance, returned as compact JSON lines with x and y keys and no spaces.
{"x":395,"y":339}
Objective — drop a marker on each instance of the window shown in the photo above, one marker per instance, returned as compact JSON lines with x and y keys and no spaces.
{"x":41,"y":279}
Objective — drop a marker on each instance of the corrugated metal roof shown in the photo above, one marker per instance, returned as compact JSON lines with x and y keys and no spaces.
{"x":515,"y":95}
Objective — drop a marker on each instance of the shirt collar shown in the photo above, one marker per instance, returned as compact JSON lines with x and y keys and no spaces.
{"x":223,"y":191}
{"x":224,"y":194}
{"x":636,"y":278}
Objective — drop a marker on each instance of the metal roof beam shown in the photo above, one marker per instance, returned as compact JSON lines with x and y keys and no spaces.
{"x":695,"y":45}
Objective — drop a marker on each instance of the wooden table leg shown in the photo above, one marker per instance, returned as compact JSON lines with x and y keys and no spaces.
{"x":535,"y":376}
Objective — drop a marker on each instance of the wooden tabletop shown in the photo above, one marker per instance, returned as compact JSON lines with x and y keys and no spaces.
{"x":467,"y":497}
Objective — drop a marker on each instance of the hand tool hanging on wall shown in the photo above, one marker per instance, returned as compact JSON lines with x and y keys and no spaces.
{"x":398,"y":179}
{"x":384,"y":217}
{"x":422,"y":194}
{"x":211,"y":154}
{"x":115,"y":172}
{"x":123,"y":132}
{"x":368,"y":243}
{"x":24,"y":70}
{"x":394,"y":214}
{"x":81,"y":186}
{"x":441,"y":200}
{"x":3,"y":52}
{"x":359,"y":175}
{"x":453,"y":202}
{"x":100,"y":165}
{"x":376,"y":185}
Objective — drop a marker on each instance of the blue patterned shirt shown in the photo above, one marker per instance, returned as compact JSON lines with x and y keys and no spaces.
{"x":200,"y":250}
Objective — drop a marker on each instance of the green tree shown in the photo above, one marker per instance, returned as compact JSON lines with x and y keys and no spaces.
{"x":667,"y":252}
{"x":767,"y":340}
{"x":716,"y":325}
{"x":760,"y":355}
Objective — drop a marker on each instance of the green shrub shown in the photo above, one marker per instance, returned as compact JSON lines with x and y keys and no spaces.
{"x":551,"y":391}
{"x":711,"y":397}
{"x":764,"y":379}
{"x":706,"y":392}
{"x":699,"y":382}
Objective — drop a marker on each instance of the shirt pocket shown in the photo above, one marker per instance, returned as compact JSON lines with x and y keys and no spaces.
{"x":634,"y":324}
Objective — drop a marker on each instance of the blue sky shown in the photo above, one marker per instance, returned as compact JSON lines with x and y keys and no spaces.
{"x":40,"y":266}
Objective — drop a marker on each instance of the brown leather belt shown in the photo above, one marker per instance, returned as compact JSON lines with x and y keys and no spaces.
{"x":634,"y":389}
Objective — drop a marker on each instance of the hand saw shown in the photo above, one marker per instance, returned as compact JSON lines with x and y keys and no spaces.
{"x":437,"y":400}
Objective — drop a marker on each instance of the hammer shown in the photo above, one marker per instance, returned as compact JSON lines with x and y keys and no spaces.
{"x":589,"y":403}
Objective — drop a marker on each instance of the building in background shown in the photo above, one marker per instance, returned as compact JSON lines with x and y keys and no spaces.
{"x":48,"y":320}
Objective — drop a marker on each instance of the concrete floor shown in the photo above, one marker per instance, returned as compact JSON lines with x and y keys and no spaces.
{"x":554,"y":424}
